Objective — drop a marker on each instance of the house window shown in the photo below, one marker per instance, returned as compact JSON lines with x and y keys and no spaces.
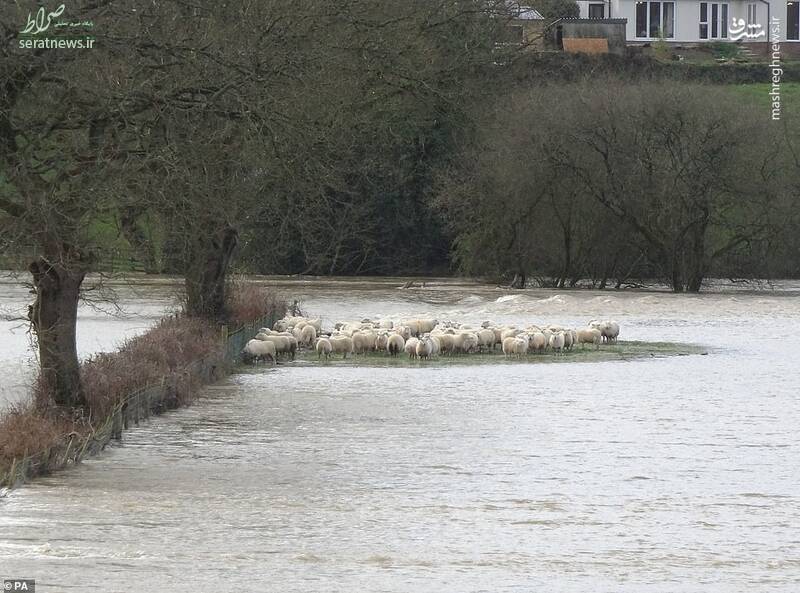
{"x":655,"y":19}
{"x":752,"y":15}
{"x":793,"y":21}
{"x":713,"y":20}
{"x":597,"y":11}
{"x":668,"y":20}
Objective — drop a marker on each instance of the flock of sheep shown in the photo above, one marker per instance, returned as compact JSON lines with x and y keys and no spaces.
{"x":420,"y":338}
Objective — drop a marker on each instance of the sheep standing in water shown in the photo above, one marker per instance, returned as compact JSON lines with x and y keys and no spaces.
{"x":411,"y":347}
{"x":538,"y":342}
{"x":520,"y":346}
{"x":557,"y":342}
{"x":381,"y":341}
{"x":342,"y":344}
{"x":256,"y":350}
{"x":567,"y":339}
{"x":395,"y":344}
{"x":324,"y":348}
{"x":589,"y":335}
{"x":308,"y":336}
{"x":485,"y":340}
{"x":431,"y":337}
{"x":509,"y":346}
{"x":424,"y":348}
{"x":609,"y":330}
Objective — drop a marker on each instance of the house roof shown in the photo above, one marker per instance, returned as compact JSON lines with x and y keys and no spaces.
{"x":523,"y":12}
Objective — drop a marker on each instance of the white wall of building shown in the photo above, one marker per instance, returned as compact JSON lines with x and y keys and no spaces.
{"x":687,"y":18}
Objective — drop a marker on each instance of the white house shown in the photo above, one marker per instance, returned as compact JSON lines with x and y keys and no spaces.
{"x":693,"y":21}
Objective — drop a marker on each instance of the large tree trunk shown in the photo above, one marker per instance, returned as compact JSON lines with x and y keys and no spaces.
{"x":697,"y":268}
{"x":54,"y":316}
{"x":676,"y":269}
{"x":207,"y":272}
{"x":142,"y":245}
{"x":519,"y":280}
{"x":566,"y":271}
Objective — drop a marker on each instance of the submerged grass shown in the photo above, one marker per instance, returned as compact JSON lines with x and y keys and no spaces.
{"x":627,"y":350}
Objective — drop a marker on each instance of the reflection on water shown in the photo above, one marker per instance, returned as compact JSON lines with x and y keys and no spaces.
{"x":671,"y":474}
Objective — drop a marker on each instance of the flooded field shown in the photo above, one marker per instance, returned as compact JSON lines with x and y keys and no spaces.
{"x":673,"y":473}
{"x":121,"y":310}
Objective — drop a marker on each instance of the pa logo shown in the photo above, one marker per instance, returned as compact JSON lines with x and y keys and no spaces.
{"x":27,"y":585}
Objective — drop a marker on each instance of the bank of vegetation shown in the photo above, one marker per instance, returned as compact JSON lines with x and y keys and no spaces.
{"x":364,"y":137}
{"x":158,"y":370}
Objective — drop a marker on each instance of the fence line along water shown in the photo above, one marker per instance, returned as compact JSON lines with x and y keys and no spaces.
{"x":137,"y":406}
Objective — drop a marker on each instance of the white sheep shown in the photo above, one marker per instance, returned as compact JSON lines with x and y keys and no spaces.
{"x":609,"y":330}
{"x":363,"y":341}
{"x":342,"y":344}
{"x":498,"y":335}
{"x":411,"y":347}
{"x":256,"y":350}
{"x":283,"y":344}
{"x":486,"y":339}
{"x":568,"y":339}
{"x":395,"y":344}
{"x":424,"y":348}
{"x":509,"y":332}
{"x":508,"y":346}
{"x":538,"y":342}
{"x":307,"y":335}
{"x":520,"y":345}
{"x":547,"y":333}
{"x":466,"y":342}
{"x":381,"y":341}
{"x":557,"y":342}
{"x":427,"y":325}
{"x":413,"y":326}
{"x":589,"y":335}
{"x":436,"y":345}
{"x":446,"y":342}
{"x":324,"y":348}
{"x":612,"y":331}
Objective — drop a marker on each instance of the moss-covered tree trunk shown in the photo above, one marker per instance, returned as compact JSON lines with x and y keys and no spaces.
{"x":207,"y":272}
{"x":54,"y":315}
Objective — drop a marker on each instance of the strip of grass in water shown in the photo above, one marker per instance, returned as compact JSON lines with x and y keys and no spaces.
{"x":619,"y":351}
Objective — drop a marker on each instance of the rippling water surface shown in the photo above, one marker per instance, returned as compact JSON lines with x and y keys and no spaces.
{"x":667,"y":474}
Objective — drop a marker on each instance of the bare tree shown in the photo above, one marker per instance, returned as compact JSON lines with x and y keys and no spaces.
{"x":658,"y":179}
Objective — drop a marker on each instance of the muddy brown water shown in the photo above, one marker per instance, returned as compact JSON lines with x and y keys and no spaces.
{"x":665,"y":474}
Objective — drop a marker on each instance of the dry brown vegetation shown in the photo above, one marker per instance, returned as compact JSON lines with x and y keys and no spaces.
{"x":25,"y":430}
{"x":248,"y":301}
{"x":164,"y":353}
{"x":146,"y":360}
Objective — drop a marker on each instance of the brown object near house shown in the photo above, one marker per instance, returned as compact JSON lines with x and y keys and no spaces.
{"x":586,"y":45}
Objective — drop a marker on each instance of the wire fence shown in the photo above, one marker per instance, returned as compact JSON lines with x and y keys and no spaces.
{"x":137,"y":406}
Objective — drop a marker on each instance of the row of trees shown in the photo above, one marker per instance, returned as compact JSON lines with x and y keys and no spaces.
{"x":357,"y":136}
{"x":609,"y":182}
{"x":299,"y":133}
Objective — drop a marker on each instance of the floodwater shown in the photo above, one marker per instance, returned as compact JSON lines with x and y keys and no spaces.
{"x":665,"y":474}
{"x":114,"y":309}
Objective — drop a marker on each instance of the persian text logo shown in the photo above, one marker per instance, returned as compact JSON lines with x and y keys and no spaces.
{"x":40,"y":22}
{"x":775,"y":68}
{"x":741,"y":30}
